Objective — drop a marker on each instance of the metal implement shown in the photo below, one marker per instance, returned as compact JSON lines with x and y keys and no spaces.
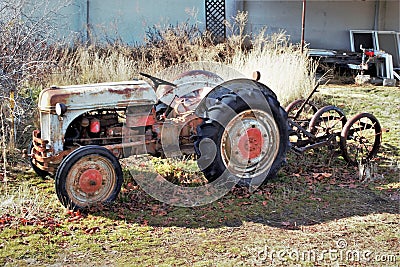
{"x":359,"y":138}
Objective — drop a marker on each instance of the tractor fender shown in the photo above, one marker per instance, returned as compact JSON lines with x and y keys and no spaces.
{"x":244,"y":88}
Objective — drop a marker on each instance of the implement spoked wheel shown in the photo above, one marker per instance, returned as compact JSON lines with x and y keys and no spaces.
{"x":88,"y":176}
{"x":327,"y":121}
{"x":306,"y":114}
{"x":360,"y":139}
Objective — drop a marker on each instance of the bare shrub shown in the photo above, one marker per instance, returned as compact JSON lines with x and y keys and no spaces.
{"x":27,"y":30}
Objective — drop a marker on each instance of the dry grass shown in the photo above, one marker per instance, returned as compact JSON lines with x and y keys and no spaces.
{"x":283,"y":67}
{"x":287,"y":71}
{"x":93,"y":64}
{"x":24,"y":204}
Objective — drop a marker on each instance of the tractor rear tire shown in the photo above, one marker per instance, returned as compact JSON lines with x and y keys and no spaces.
{"x":247,"y":142}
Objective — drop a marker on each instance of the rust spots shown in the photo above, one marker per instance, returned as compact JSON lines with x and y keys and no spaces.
{"x":59,"y":98}
{"x":93,"y":94}
{"x":126,"y":91}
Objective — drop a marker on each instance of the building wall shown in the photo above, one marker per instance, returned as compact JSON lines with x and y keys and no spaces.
{"x":127,"y":19}
{"x":327,"y":22}
{"x":392,"y":16}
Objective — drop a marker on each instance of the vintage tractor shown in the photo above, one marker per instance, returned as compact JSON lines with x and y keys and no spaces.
{"x":233,"y":126}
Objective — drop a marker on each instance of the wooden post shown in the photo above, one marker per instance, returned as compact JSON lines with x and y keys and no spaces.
{"x":303,"y":25}
{"x":88,"y":30}
{"x":12,"y":127}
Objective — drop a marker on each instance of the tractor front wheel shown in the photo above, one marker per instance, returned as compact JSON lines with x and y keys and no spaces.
{"x":88,"y":176}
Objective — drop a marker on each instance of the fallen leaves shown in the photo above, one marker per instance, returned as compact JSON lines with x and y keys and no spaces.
{"x":395,"y":196}
{"x":50,"y":223}
{"x":158,"y":210}
{"x":6,"y":220}
{"x":45,"y":222}
{"x":315,"y":198}
{"x":286,"y":224}
{"x":349,"y":185}
{"x":318,"y":177}
{"x":290,"y":226}
{"x":74,"y":216}
{"x":321,"y":175}
{"x":245,"y":203}
{"x":325,"y":175}
{"x":91,"y":230}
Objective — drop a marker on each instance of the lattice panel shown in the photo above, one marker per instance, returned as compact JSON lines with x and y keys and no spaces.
{"x":215,"y":17}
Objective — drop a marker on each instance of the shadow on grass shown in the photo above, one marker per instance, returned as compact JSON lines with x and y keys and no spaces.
{"x":314,"y":194}
{"x":391,"y":151}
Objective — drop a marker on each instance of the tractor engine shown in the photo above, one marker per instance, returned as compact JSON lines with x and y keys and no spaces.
{"x":134,"y":131}
{"x":100,"y":127}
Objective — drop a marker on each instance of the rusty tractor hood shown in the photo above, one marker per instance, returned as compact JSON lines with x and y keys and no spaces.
{"x":99,"y":95}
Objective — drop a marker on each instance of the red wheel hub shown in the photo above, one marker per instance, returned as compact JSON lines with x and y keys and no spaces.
{"x":90,"y":181}
{"x":250,"y":143}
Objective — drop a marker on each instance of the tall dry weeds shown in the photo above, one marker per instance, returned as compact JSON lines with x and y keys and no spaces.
{"x":287,"y":71}
{"x":163,"y":47}
{"x":283,"y":67}
{"x":93,"y":64}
